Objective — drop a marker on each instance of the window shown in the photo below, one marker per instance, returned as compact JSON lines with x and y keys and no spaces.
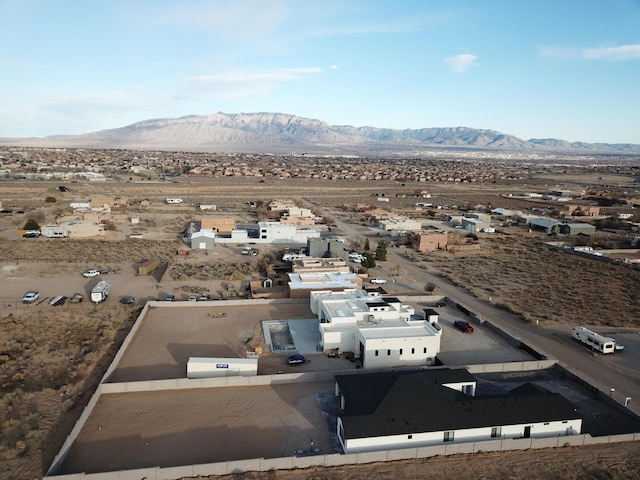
{"x":413,"y":350}
{"x":409,"y":437}
{"x":448,"y":436}
{"x":400,"y":351}
{"x":496,"y":432}
{"x":425,"y":350}
{"x":376,"y":353}
{"x":388,"y":352}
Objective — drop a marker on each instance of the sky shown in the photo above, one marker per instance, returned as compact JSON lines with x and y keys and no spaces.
{"x":566,"y":69}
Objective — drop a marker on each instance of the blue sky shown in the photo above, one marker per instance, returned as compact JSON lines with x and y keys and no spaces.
{"x":567,"y":69}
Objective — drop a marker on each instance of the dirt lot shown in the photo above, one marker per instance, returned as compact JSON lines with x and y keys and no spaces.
{"x":51,"y":358}
{"x":141,"y":429}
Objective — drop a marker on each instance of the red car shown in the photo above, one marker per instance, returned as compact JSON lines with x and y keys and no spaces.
{"x":463,"y":326}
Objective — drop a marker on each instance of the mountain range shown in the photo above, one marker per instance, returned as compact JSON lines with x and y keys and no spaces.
{"x":284,"y":133}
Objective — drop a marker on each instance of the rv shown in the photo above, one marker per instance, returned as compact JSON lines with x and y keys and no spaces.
{"x":173,"y":200}
{"x":594,"y":340}
{"x":100,"y":292}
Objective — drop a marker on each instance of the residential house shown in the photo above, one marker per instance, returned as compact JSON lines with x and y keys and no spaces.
{"x":381,"y":331}
{"x":411,"y":409}
{"x":429,"y":241}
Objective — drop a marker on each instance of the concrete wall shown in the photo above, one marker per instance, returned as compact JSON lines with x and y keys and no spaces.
{"x":306,"y":461}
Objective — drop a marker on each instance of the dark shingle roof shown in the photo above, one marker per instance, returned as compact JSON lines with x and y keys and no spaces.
{"x":403,"y":403}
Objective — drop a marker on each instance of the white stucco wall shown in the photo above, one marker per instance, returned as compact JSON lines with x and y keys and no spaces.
{"x":538,"y":430}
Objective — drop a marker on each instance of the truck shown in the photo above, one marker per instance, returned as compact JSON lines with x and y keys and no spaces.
{"x":595,"y":341}
{"x":100,"y":292}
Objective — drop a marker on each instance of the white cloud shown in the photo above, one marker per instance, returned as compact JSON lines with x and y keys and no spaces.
{"x":239,"y":85}
{"x":614,"y":53}
{"x":334,"y":67}
{"x":462,"y":62}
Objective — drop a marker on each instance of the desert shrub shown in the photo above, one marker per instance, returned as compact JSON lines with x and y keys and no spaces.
{"x":50,"y":200}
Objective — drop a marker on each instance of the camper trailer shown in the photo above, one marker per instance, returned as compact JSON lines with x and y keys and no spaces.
{"x":100,"y":292}
{"x":595,"y":341}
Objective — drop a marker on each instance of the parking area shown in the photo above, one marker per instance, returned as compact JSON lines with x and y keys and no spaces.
{"x":479,"y":347}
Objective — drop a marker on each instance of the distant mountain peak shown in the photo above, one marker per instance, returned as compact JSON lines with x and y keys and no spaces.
{"x":283,"y":133}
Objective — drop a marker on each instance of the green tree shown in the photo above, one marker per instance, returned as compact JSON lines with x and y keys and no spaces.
{"x":367,"y":245}
{"x":31,"y":225}
{"x":369,"y":260}
{"x":381,"y":251}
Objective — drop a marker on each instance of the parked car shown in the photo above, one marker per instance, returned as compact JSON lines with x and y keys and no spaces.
{"x":127,"y":300}
{"x":170,"y":298}
{"x":192,"y":298}
{"x":30,"y":297}
{"x":463,"y":326}
{"x":91,"y":273}
{"x":296,"y":359}
{"x":76,"y":298}
{"x":378,"y":281}
{"x":203,"y":298}
{"x":32,"y":234}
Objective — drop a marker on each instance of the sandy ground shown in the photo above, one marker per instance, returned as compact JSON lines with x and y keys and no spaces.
{"x":164,"y":342}
{"x":156,"y":429}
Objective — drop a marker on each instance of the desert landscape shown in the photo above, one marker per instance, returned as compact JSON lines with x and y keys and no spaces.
{"x":52,"y":358}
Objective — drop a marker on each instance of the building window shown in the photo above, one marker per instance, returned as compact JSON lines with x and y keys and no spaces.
{"x":409,"y":437}
{"x":496,"y":432}
{"x":413,"y":350}
{"x":388,"y":352}
{"x":448,"y":436}
{"x":425,"y":350}
{"x":376,"y":353}
{"x":400,"y":351}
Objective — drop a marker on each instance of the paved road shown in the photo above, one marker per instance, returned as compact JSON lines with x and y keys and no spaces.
{"x":601,"y":370}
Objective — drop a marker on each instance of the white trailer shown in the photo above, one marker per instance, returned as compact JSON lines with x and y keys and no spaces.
{"x":202,"y":367}
{"x":173,"y":200}
{"x":100,"y":292}
{"x":594,"y":340}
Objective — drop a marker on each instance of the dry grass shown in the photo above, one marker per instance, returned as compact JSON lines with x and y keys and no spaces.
{"x":101,"y":253}
{"x":543,"y":284}
{"x":47,"y":363}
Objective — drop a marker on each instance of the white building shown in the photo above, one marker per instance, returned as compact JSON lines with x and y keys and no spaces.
{"x":391,"y":410}
{"x":381,"y":331}
{"x":403,"y":224}
{"x":276,"y":232}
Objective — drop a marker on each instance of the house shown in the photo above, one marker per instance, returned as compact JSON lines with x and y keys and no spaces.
{"x":409,"y":409}
{"x":400,"y":224}
{"x":218,"y":225}
{"x":429,"y":241}
{"x":380,"y":331}
{"x":323,"y":247}
{"x":319,"y":265}
{"x":301,"y":285}
{"x":276,"y":232}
